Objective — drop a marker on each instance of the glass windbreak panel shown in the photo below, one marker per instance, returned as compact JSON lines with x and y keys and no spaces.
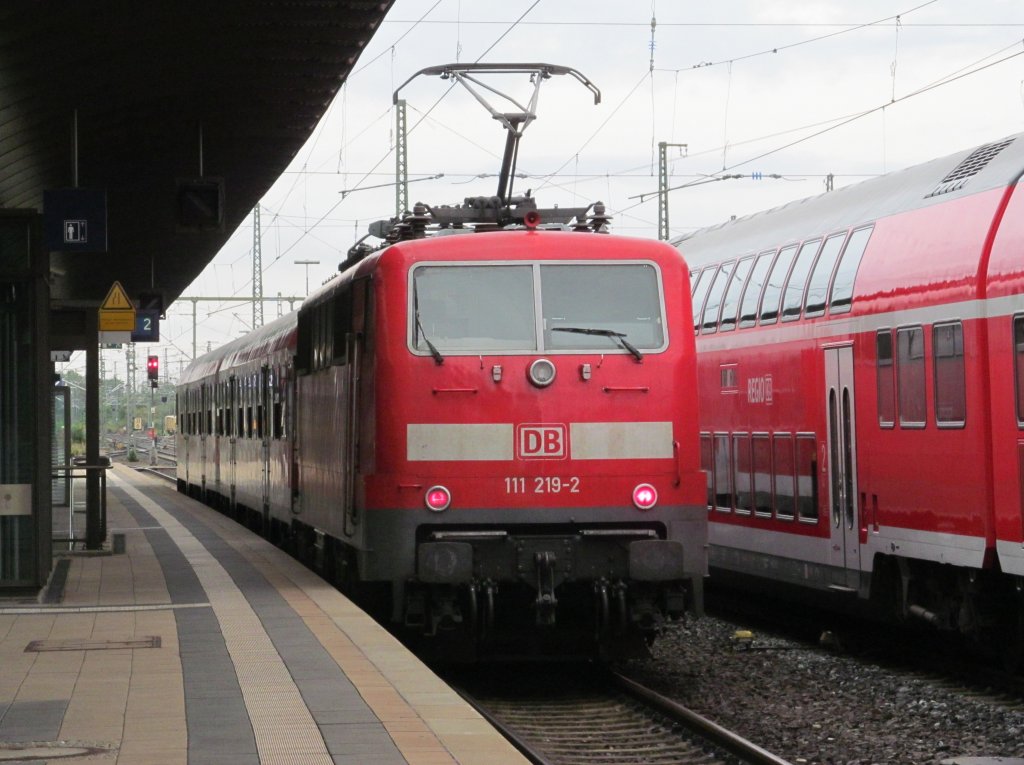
{"x":1018,"y":354}
{"x":761,"y":461}
{"x":731,"y":303}
{"x":793,"y":300}
{"x":723,"y":474}
{"x":846,"y":271}
{"x":700,"y":291}
{"x":473,"y":308}
{"x":752,"y":292}
{"x":710,"y":321}
{"x":807,"y":477}
{"x":785,"y":488}
{"x":773,"y":289}
{"x":609,"y":298}
{"x":910,"y":379}
{"x":883,"y":371}
{"x":950,"y":377}
{"x":822,"y":275}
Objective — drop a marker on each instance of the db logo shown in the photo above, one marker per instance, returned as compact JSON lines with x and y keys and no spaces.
{"x":541,"y":442}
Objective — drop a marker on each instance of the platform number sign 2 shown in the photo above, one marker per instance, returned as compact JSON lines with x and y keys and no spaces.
{"x":147,"y":327}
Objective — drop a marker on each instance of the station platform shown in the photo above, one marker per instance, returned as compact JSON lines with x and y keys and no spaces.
{"x":203,"y":643}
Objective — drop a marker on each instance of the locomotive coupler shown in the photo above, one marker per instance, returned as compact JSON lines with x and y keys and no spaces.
{"x":546,"y":602}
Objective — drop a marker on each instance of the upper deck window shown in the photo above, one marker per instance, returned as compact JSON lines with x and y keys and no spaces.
{"x":752,"y":292}
{"x":822,"y":275}
{"x":842,"y":284}
{"x":714,"y":304}
{"x":700,"y":291}
{"x":773,"y":289}
{"x":731,"y":303}
{"x":793,"y":300}
{"x":538,"y":307}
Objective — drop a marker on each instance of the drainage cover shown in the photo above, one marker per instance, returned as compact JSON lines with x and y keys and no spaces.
{"x":152,"y":641}
{"x":42,"y":752}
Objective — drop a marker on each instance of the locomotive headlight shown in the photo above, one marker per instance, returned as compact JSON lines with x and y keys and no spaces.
{"x":541,"y":373}
{"x":645,"y":496}
{"x":437,"y":498}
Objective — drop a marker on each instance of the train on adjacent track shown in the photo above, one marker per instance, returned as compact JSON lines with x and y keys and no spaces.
{"x":475,"y":433}
{"x":861,"y":385}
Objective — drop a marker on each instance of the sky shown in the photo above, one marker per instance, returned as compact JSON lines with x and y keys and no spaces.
{"x":799,"y":90}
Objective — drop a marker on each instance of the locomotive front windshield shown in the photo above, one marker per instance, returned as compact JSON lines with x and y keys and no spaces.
{"x":539,"y":307}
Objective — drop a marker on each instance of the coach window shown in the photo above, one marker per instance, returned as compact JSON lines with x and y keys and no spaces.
{"x":761,"y":464}
{"x":885,"y":379}
{"x":773,"y":289}
{"x":950,"y":376}
{"x":817,"y":288}
{"x":793,"y":300}
{"x":842,"y":284}
{"x":707,"y":465}
{"x":1018,"y":352}
{"x":220,"y":409}
{"x":731,"y":303}
{"x":743,"y":500}
{"x":752,"y":292}
{"x":700,"y":291}
{"x":910,"y":377}
{"x":723,"y":473}
{"x":807,"y":477}
{"x":784,"y":469}
{"x":710,"y":321}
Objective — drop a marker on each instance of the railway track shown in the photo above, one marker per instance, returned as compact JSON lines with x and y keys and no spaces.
{"x":590,"y":716}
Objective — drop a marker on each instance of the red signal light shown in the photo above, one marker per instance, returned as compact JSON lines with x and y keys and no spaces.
{"x":153,"y":367}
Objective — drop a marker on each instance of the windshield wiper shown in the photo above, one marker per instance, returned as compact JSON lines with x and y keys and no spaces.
{"x":436,"y":354}
{"x":618,"y":337}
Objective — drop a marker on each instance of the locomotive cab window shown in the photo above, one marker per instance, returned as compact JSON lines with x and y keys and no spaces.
{"x":511,"y":308}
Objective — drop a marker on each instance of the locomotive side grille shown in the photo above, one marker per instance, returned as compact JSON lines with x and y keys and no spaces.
{"x":973,"y":164}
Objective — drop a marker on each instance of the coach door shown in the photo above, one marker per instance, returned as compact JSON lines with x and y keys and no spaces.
{"x":264,"y":408}
{"x":842,"y":468}
{"x":355,"y":324}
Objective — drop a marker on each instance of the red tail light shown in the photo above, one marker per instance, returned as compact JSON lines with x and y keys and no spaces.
{"x":438,"y":498}
{"x":645,"y":496}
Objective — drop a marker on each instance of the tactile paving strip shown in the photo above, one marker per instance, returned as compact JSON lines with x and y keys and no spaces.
{"x":272,"y":699}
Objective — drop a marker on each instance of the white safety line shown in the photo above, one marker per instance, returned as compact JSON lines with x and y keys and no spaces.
{"x":272,"y":699}
{"x":97,"y":609}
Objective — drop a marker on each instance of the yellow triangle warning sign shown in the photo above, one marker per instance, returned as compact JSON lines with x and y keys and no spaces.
{"x":117,"y":299}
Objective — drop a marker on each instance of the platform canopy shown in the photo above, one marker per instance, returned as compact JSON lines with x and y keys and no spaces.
{"x":182,"y":114}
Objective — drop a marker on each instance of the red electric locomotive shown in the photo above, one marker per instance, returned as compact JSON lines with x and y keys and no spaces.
{"x":861,"y":377}
{"x":478,"y":431}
